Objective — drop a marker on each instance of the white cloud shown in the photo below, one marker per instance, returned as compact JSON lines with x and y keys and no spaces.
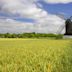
{"x":44,"y":22}
{"x":12,"y":26}
{"x":58,"y":1}
{"x":41,"y":26}
{"x":25,"y":8}
{"x":50,"y":23}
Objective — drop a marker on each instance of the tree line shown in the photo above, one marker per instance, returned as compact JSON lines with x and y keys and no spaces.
{"x":30,"y":35}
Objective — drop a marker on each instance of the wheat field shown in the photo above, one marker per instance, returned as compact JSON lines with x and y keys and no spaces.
{"x":35,"y":55}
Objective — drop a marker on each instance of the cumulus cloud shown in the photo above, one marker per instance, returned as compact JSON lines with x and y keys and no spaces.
{"x":44,"y":22}
{"x":12,"y":26}
{"x":58,"y":1}
{"x":50,"y":23}
{"x":25,"y":8}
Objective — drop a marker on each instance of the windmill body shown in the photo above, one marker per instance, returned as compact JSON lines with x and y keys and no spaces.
{"x":68,"y":26}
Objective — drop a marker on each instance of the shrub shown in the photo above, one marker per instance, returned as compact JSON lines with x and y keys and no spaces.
{"x":60,"y":36}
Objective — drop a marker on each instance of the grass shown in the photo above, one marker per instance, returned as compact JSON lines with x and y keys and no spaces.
{"x":35,"y":55}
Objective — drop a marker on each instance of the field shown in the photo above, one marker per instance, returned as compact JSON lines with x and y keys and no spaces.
{"x":35,"y":55}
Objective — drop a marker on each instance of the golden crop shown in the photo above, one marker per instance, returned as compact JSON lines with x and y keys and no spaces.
{"x":35,"y":55}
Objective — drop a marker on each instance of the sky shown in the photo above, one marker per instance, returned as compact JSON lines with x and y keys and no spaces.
{"x":40,"y":16}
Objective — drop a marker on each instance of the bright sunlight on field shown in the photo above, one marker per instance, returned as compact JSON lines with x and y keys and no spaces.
{"x":35,"y":55}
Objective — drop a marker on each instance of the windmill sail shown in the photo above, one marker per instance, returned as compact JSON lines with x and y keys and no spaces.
{"x":61,"y":28}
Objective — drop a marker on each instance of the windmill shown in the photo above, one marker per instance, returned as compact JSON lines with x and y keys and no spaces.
{"x":67,"y":25}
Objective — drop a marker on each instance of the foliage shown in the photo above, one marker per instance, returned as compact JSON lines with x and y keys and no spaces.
{"x":59,"y":36}
{"x":29,"y":35}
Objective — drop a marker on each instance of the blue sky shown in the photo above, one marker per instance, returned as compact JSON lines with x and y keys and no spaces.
{"x":22,"y":15}
{"x":60,"y":8}
{"x":65,"y":9}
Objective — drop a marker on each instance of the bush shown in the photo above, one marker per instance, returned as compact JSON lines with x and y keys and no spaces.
{"x":59,"y":36}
